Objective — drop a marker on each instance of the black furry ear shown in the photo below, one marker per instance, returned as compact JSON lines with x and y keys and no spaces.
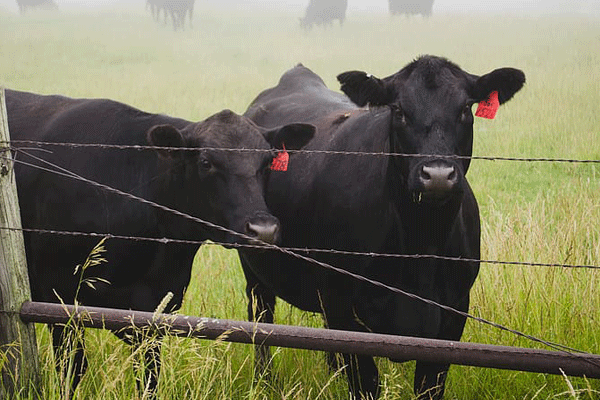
{"x":293,"y":136}
{"x":364,"y":89}
{"x":165,"y":136}
{"x":507,"y":81}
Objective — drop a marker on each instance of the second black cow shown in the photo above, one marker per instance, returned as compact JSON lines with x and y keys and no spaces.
{"x":411,"y":7}
{"x":177,"y":10}
{"x":416,"y":204}
{"x":323,"y":13}
{"x":25,"y":5}
{"x":60,"y":189}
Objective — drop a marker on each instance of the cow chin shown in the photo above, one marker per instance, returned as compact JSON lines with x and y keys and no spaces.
{"x":441,"y":197}
{"x":437,"y":198}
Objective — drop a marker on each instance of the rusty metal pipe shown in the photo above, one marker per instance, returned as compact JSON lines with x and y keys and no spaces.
{"x":391,"y":346}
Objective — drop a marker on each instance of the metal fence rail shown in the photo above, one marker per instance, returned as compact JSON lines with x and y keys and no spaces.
{"x":390,"y":346}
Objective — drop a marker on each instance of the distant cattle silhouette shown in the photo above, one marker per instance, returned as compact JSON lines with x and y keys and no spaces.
{"x":411,"y":7}
{"x":175,"y":9}
{"x":155,"y":7}
{"x":24,"y":5}
{"x":324,"y":12}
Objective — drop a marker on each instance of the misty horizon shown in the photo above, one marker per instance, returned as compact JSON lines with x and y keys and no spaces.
{"x":440,"y":6}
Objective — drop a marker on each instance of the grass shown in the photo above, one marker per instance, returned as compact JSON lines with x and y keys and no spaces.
{"x":542,"y":212}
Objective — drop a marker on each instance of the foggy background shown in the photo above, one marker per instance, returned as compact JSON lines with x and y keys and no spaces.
{"x":440,"y":6}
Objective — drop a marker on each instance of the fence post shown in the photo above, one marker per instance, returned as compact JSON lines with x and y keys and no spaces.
{"x":19,"y":361}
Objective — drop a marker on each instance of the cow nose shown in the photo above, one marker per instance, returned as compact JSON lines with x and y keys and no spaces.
{"x":264,"y":231}
{"x":438,"y":178}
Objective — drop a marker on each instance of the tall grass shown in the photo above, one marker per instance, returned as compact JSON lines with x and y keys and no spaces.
{"x":541,"y":212}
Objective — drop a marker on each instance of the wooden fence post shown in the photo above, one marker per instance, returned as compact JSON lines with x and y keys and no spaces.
{"x":19,"y":361}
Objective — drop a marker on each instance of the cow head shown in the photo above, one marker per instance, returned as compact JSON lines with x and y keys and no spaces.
{"x":226,"y":187}
{"x":430,"y":104}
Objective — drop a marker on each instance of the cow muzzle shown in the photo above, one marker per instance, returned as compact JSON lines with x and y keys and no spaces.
{"x":436,"y":181}
{"x":263,"y":229}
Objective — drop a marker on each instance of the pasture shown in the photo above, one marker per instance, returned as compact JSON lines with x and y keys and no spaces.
{"x":545,"y":212}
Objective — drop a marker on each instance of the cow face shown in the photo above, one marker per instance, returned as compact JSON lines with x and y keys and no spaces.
{"x":430,"y":102}
{"x":227,"y":187}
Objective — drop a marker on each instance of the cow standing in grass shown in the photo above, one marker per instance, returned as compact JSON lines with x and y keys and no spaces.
{"x":411,"y":7}
{"x":323,"y":13}
{"x":56,"y":192}
{"x":177,"y":10}
{"x":416,"y":204}
{"x":25,"y":5}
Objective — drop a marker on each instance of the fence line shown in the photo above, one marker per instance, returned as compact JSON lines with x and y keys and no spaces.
{"x":69,"y":174}
{"x":165,"y":240}
{"x":390,"y":346}
{"x":300,"y":151}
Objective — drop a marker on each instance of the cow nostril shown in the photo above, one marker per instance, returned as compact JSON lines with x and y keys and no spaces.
{"x":453,"y":176}
{"x":426,"y":176}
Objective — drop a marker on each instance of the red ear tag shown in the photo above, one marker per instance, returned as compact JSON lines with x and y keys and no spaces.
{"x":280,"y":163}
{"x":488,"y":108}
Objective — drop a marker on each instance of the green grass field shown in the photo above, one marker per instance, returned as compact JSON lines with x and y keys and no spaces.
{"x":539,"y":212}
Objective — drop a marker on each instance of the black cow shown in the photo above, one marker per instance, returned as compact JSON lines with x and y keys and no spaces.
{"x":411,"y":7}
{"x":324,"y":12}
{"x":419,"y":204}
{"x":176,"y":9}
{"x":222,"y":187}
{"x":24,"y":5}
{"x":155,"y":7}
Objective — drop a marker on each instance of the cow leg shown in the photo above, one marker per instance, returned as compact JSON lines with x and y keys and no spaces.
{"x":71,"y":363}
{"x":261,"y":308}
{"x":363,"y":377}
{"x":361,"y":371}
{"x":430,"y":380}
{"x":150,"y":370}
{"x":334,"y":361}
{"x":147,"y":367}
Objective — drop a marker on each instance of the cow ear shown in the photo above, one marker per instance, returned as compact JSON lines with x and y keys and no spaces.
{"x":364,"y":89}
{"x":506,"y":81}
{"x":293,"y":136}
{"x":165,"y":136}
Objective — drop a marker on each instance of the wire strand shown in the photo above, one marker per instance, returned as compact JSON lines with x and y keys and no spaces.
{"x":301,"y":151}
{"x":302,"y":250}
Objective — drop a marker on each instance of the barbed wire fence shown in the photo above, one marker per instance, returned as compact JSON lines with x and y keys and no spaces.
{"x":300,"y":253}
{"x":300,"y":151}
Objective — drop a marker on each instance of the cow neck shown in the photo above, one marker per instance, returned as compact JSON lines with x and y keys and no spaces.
{"x":395,"y":179}
{"x":425,"y":227}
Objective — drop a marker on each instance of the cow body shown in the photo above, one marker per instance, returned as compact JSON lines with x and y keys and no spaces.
{"x":177,"y":10}
{"x":25,"y":5}
{"x":324,"y":12}
{"x":411,"y":7}
{"x":403,"y":205}
{"x":225,"y":188}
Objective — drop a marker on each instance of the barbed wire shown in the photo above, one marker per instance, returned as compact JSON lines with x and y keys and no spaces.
{"x":65,"y":173}
{"x":299,"y":151}
{"x":300,"y":249}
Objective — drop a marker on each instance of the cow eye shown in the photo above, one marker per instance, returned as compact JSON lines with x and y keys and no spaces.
{"x":466,"y":112}
{"x":399,"y":115}
{"x":205,"y":164}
